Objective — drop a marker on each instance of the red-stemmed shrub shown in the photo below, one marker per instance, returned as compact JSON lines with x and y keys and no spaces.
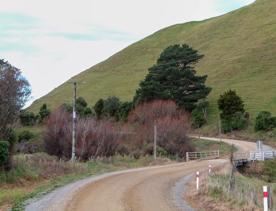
{"x":172,"y":125}
{"x":94,"y":138}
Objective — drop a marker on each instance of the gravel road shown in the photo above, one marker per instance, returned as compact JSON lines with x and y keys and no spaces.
{"x":156,"y":188}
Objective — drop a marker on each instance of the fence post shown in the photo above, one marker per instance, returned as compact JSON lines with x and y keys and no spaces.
{"x":197,"y":180}
{"x":187,"y":156}
{"x":265,"y":198}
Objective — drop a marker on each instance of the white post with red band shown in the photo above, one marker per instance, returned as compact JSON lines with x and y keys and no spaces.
{"x":265,"y":190}
{"x":197,"y":180}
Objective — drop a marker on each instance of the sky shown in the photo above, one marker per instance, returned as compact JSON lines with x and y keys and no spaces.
{"x":51,"y":41}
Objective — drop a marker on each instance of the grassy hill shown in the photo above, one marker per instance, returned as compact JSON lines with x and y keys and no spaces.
{"x":239,"y":49}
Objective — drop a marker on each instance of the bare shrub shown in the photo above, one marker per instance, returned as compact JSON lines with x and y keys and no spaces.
{"x":172,"y":126}
{"x":94,"y":138}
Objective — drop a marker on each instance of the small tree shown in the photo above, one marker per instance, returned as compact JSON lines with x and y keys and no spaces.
{"x":44,"y":112}
{"x":199,"y":114}
{"x":99,"y":108}
{"x":174,"y":78}
{"x":124,"y":110}
{"x":111,"y":106}
{"x":82,"y":107}
{"x":4,"y":154}
{"x":233,"y":116}
{"x":264,"y":121}
{"x":14,"y":93}
{"x":27,"y":118}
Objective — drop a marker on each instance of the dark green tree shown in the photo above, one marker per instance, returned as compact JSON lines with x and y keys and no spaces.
{"x":174,"y":77}
{"x":98,"y":107}
{"x":27,"y":118}
{"x":44,"y":112}
{"x":233,"y":115}
{"x":124,"y":110}
{"x":111,"y":106}
{"x":82,"y":108}
{"x":264,"y":121}
{"x":4,"y":154}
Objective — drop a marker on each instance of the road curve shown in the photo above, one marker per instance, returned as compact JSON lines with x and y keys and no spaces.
{"x":144,"y":189}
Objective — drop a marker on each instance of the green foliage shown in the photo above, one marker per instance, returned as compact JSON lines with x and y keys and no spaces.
{"x":270,"y":170}
{"x":123,"y":111}
{"x":10,"y":136}
{"x":43,"y":113}
{"x":82,"y":108}
{"x":27,"y":118}
{"x":198,"y":119}
{"x":4,"y":153}
{"x":174,"y":78}
{"x":233,"y":116}
{"x":199,"y":114}
{"x":264,"y":121}
{"x":25,"y":135}
{"x":111,"y":106}
{"x":229,"y":103}
{"x":99,"y":108}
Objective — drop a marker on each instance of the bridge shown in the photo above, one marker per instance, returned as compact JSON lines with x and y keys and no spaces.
{"x":261,"y":154}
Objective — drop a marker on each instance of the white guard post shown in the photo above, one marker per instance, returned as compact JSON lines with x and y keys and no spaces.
{"x":210,"y":169}
{"x":197,"y":180}
{"x":265,"y":198}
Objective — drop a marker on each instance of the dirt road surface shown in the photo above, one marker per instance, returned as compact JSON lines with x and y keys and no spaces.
{"x":145,"y":189}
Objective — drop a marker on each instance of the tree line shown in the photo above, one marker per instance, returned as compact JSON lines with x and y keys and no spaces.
{"x":170,"y":83}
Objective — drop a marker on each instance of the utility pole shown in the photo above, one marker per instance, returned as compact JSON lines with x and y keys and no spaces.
{"x":219,"y":128}
{"x":155,"y":142}
{"x":73,"y":158}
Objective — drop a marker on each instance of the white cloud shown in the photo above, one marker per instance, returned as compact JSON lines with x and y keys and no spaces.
{"x":69,"y":36}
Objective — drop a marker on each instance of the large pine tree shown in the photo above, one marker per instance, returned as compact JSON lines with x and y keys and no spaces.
{"x":174,"y":77}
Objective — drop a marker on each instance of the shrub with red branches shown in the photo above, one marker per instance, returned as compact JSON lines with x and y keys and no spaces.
{"x":94,"y":138}
{"x":172,"y":126}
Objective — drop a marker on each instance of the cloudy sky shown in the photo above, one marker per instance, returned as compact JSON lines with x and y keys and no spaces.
{"x":50,"y":41}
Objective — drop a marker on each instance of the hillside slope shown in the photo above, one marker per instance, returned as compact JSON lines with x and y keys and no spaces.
{"x":239,"y":49}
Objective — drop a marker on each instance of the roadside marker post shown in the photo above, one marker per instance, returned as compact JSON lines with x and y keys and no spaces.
{"x":197,"y":180}
{"x":265,"y":191}
{"x":210,"y":168}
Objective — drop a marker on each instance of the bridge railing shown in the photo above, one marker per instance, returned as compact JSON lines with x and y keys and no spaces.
{"x":202,"y":155}
{"x":262,"y":155}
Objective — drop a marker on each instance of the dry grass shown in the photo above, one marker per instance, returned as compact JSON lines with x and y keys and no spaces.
{"x":215,"y":195}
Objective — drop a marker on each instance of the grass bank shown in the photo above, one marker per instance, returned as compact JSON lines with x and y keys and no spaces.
{"x":246,"y":193}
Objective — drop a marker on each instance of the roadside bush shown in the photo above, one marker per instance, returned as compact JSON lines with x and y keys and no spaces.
{"x":27,"y":118}
{"x":98,"y":107}
{"x":124,"y":110}
{"x":199,"y":114}
{"x":4,"y":153}
{"x":43,"y":113}
{"x":198,"y":119}
{"x":25,"y":136}
{"x":111,"y":106}
{"x":172,"y":125}
{"x":57,"y":135}
{"x":233,"y":116}
{"x":94,"y":138}
{"x":270,"y":170}
{"x":264,"y":121}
